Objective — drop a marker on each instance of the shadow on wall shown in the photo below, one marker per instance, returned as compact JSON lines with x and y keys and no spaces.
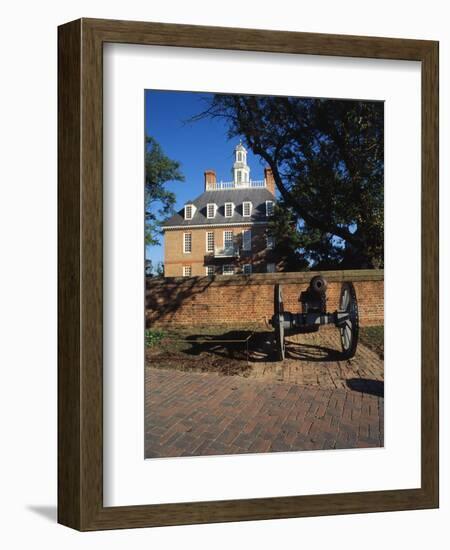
{"x":248,"y":299}
{"x":164,"y":301}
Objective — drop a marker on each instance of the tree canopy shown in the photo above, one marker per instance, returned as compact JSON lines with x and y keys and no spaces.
{"x":327,"y":158}
{"x":159,"y":201}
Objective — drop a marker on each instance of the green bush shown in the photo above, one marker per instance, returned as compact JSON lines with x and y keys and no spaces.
{"x":153,"y":337}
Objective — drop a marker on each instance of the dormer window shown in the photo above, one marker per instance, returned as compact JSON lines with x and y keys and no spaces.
{"x":229,"y":209}
{"x":246,"y":209}
{"x":211,"y":210}
{"x":269,"y":208}
{"x":189,"y":211}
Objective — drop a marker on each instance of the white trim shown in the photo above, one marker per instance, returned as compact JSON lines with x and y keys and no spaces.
{"x":207,"y":268}
{"x":244,"y":242}
{"x":228,"y":266}
{"x":271,"y":239}
{"x":225,"y":209}
{"x":267,"y":210}
{"x":129,"y":69}
{"x":214,"y":205}
{"x":184,"y":242}
{"x":192,"y":206}
{"x":206,"y":241}
{"x":232,"y":235}
{"x":243,"y":209}
{"x":185,"y":267}
{"x":228,"y":185}
{"x":204,"y":225}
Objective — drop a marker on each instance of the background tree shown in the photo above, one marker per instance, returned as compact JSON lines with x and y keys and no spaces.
{"x":159,"y":201}
{"x":153,"y":271}
{"x":148,"y":267}
{"x":328,"y":164}
{"x":284,"y":228}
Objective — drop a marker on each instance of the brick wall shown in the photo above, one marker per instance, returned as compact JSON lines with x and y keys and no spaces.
{"x":249,"y":299}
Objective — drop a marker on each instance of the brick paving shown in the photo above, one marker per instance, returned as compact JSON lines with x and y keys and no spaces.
{"x":305,"y":403}
{"x":314,"y":359}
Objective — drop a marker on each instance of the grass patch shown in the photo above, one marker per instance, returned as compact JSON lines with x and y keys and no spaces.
{"x":153,"y":337}
{"x":373,"y":338}
{"x":180,"y":339}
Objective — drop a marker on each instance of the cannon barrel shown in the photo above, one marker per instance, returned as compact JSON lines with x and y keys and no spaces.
{"x":318,"y":285}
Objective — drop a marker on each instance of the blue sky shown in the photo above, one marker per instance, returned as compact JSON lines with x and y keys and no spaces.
{"x":198,"y":146}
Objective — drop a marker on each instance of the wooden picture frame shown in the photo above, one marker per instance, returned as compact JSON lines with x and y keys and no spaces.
{"x":80,"y":413}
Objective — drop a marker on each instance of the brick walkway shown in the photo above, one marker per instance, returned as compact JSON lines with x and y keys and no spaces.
{"x":325,"y":405}
{"x":314,"y":360}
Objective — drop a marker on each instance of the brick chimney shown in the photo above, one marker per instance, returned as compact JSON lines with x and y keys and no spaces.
{"x":210,"y":180}
{"x":270,"y":182}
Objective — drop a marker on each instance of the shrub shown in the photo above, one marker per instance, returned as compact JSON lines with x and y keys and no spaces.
{"x":153,"y":337}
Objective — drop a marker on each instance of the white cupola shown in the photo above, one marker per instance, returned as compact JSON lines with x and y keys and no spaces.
{"x":241,"y":171}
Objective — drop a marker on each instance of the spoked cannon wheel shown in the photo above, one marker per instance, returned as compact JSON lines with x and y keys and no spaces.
{"x":349,"y":329}
{"x":279,"y":322}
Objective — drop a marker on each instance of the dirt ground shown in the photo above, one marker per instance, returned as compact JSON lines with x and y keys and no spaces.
{"x":311,"y":358}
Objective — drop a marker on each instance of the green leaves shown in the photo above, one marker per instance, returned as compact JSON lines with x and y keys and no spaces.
{"x":327,"y":157}
{"x":159,"y":202}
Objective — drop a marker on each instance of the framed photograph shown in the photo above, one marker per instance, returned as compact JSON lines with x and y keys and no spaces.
{"x":248,"y":257}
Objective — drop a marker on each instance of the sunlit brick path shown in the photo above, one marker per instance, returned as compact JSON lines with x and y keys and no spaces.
{"x":190,"y":414}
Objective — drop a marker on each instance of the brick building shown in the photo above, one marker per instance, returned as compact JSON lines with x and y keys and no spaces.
{"x":224,"y":231}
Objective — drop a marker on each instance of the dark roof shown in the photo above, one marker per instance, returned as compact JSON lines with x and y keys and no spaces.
{"x":257,"y":196}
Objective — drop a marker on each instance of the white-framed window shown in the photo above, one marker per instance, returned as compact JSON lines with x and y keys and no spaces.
{"x":229,"y":209}
{"x":187,"y":243}
{"x":187,"y":271}
{"x":270,"y":268}
{"x":270,"y":241}
{"x":228,"y":239}
{"x":228,"y":270}
{"x":239,"y":176}
{"x":211,"y":210}
{"x":210,"y":270}
{"x":269,"y":208}
{"x":247,"y":239}
{"x":189,"y":211}
{"x":246,"y":209}
{"x":210,"y":241}
{"x":239,"y":157}
{"x":247,"y":269}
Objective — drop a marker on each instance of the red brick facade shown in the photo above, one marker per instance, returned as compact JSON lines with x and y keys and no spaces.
{"x":175,"y":259}
{"x":241,"y":300}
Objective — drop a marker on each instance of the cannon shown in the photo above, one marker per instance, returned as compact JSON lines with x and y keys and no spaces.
{"x":313,"y":314}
